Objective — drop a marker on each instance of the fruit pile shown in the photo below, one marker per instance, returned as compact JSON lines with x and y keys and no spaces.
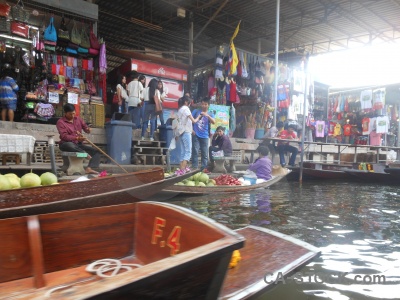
{"x":226,"y":179}
{"x":198,"y":179}
{"x":12,"y":181}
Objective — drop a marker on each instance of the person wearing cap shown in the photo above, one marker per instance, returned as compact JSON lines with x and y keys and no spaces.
{"x":283,"y":146}
{"x":262,"y":166}
{"x":219,"y":142}
{"x":8,"y":96}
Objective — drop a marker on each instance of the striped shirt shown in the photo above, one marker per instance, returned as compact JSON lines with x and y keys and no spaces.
{"x":8,"y":87}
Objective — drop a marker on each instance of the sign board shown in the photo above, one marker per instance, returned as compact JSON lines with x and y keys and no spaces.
{"x":157,"y":70}
{"x":221,"y":117}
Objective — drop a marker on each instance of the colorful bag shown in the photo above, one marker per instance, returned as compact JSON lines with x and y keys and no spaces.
{"x":63,"y":33}
{"x":20,"y":29}
{"x":85,"y":40}
{"x":50,"y":33}
{"x":18,"y":12}
{"x":94,"y":42}
{"x":115,"y":99}
{"x":93,"y":52}
{"x":157,"y":100}
{"x":75,"y":35}
{"x":5,"y":9}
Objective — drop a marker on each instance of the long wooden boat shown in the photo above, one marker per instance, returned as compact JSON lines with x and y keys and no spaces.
{"x":142,"y":250}
{"x":222,"y":189}
{"x":266,"y":255}
{"x":380,"y":175}
{"x":99,"y":191}
{"x":321,"y":171}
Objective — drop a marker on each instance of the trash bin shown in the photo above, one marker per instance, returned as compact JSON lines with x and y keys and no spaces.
{"x":119,"y":138}
{"x":166,"y":134}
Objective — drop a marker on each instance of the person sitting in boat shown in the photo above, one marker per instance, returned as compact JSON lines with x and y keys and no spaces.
{"x":283,"y":146}
{"x":219,"y":142}
{"x":262,"y":166}
{"x":71,"y":139}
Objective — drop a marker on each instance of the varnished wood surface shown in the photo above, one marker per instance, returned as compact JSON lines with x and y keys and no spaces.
{"x":221,"y":189}
{"x":102,"y":191}
{"x":265,"y":251}
{"x":70,"y":240}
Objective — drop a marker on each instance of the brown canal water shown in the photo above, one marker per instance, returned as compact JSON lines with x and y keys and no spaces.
{"x":356,"y":226}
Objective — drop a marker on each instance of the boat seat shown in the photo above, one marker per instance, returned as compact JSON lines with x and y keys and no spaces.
{"x":73,"y":162}
{"x":220,"y":164}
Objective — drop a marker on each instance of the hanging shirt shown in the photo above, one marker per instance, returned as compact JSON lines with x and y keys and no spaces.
{"x":331,"y":128}
{"x":319,"y":129}
{"x":338,"y":130}
{"x":379,"y":98}
{"x":366,"y":99}
{"x":382,"y":124}
{"x":347,"y":130}
{"x":365,"y":126}
{"x":372,"y":125}
{"x":375,"y":138}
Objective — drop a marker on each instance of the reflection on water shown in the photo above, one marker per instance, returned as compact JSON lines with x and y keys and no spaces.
{"x":356,"y":227}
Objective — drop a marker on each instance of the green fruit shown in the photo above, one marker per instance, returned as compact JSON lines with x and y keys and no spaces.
{"x":212,"y":181}
{"x":12,"y":175}
{"x":4,"y":183}
{"x":15,"y":184}
{"x":48,"y":178}
{"x":210,"y":184}
{"x":190,"y":183}
{"x":203,"y":177}
{"x":201,"y":184}
{"x":179,"y":183}
{"x":30,"y":180}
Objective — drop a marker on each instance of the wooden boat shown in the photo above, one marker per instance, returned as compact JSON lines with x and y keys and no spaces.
{"x":221,"y":189}
{"x":99,"y":191}
{"x":321,"y":171}
{"x":142,"y":250}
{"x":379,"y":175}
{"x":249,"y":279}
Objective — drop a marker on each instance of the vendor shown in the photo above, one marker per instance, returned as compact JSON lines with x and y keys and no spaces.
{"x":283,"y":146}
{"x":262,"y":165}
{"x":219,"y":142}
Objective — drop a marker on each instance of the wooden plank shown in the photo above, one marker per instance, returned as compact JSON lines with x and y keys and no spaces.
{"x":35,"y":242}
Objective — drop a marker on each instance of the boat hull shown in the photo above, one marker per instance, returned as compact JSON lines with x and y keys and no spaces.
{"x":101,"y":191}
{"x":373,"y":177}
{"x":221,"y":189}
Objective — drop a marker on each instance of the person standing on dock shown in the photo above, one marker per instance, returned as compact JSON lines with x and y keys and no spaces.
{"x":201,"y":134}
{"x":283,"y":146}
{"x":71,"y":139}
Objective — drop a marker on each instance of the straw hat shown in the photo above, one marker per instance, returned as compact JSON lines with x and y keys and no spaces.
{"x":277,"y":170}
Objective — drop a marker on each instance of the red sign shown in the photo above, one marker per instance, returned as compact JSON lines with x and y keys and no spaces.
{"x":157,"y":70}
{"x":173,"y":89}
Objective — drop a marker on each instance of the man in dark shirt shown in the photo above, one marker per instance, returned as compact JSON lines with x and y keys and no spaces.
{"x":219,"y":142}
{"x":71,"y":139}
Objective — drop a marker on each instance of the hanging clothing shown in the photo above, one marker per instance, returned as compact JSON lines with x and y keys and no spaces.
{"x":382,"y":124}
{"x":366,"y":99}
{"x":347,"y":130}
{"x":375,"y":138}
{"x":365,"y":126}
{"x":338,"y":130}
{"x":371,"y":125}
{"x":379,"y":98}
{"x":319,"y":129}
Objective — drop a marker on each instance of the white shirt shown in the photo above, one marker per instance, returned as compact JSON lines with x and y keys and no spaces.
{"x":366,"y":99}
{"x":382,"y":124}
{"x":135,"y":89}
{"x":124,"y":95}
{"x":146,"y":94}
{"x":184,"y":120}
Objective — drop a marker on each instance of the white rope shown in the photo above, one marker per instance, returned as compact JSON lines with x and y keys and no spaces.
{"x":103,"y":266}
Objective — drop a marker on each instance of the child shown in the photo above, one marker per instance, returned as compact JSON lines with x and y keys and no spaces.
{"x":263,"y":165}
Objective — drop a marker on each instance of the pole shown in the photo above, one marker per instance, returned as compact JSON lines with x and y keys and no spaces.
{"x":50,"y":141}
{"x":191,"y":40}
{"x":106,"y":155}
{"x":303,"y":131}
{"x":278,"y":4}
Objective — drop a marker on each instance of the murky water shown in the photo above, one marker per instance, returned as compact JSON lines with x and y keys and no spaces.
{"x":356,"y":226}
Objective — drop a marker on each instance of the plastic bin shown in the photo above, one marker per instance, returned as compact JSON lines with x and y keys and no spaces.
{"x":119,"y":139}
{"x":166,"y":134}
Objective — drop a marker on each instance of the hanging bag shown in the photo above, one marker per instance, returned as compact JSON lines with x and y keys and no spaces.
{"x":85,"y":41}
{"x":94,"y":42}
{"x":75,"y":35}
{"x":157,"y":101}
{"x":20,"y":29}
{"x":63,"y":33}
{"x":4,"y":9}
{"x":18,"y":12}
{"x":50,"y":33}
{"x":4,"y":25}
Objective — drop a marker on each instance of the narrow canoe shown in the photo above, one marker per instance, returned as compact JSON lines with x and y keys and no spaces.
{"x":99,"y":191}
{"x":373,"y":177}
{"x":222,"y":189}
{"x":252,"y":275}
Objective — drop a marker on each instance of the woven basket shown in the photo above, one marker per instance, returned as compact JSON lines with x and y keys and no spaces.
{"x":18,"y":13}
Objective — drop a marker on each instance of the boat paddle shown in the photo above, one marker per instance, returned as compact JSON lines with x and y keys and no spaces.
{"x":86,"y":139}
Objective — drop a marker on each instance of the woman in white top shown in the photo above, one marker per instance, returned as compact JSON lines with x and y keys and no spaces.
{"x":184,"y":133}
{"x":135,"y":92}
{"x":122,"y":95}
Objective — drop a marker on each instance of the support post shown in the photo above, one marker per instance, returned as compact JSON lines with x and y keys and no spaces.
{"x":303,"y":131}
{"x":278,"y":4}
{"x":50,"y":139}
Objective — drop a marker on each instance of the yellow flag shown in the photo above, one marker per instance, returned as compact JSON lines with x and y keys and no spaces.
{"x":236,"y":31}
{"x":233,"y":59}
